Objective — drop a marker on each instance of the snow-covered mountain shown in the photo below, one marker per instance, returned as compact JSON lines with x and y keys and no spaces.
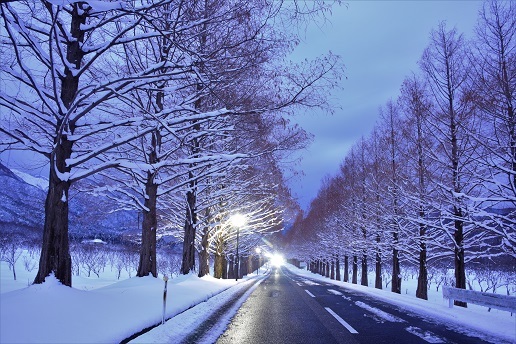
{"x":22,"y":203}
{"x":21,"y":206}
{"x":39,"y":182}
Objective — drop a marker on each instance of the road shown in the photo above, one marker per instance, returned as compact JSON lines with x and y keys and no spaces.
{"x":287,"y":308}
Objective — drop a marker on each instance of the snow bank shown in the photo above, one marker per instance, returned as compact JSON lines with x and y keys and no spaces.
{"x":53,"y":313}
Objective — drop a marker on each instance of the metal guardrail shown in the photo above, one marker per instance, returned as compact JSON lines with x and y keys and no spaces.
{"x":498,"y":301}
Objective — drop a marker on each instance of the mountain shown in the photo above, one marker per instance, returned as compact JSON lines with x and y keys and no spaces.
{"x":35,"y":181}
{"x":21,"y":206}
{"x":22,"y":212}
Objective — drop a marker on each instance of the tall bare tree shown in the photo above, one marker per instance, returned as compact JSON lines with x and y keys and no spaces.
{"x":443,"y":63}
{"x":493,"y":77}
{"x":56,"y":105}
{"x":416,"y":106}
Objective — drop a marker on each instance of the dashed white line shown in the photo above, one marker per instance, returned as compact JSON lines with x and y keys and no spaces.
{"x":309,"y":293}
{"x":342,"y":321}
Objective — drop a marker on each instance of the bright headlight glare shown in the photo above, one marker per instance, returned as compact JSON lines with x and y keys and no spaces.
{"x":277,"y":260}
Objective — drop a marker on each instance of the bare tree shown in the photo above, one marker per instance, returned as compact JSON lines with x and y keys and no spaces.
{"x":10,"y":252}
{"x":493,"y":77}
{"x":62,"y":105}
{"x":443,"y":63}
{"x":416,"y":106}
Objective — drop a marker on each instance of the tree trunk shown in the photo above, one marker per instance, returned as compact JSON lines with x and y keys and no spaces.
{"x":250,"y":264}
{"x":147,"y":264}
{"x":242,"y":268}
{"x":422,"y":279}
{"x":218,"y":266}
{"x":337,"y":268}
{"x":460,"y":267}
{"x":55,"y":250}
{"x":346,"y":269}
{"x":332,"y":270}
{"x":204,"y":256}
{"x":363,"y":280}
{"x":188,"y":263}
{"x":355,"y":270}
{"x":231,"y":271}
{"x":396,"y":272}
{"x":378,"y":271}
{"x":224,"y":267}
{"x":327,"y":269}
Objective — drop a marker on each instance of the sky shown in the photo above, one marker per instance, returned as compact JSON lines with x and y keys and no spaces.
{"x":379,"y":43}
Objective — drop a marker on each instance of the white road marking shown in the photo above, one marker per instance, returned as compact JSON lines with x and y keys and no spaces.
{"x":379,"y":312}
{"x":342,"y":322}
{"x":309,"y":293}
{"x":425,"y":335}
{"x":299,"y":284}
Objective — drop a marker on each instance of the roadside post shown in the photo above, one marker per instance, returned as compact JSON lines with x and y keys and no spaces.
{"x":165,"y":278}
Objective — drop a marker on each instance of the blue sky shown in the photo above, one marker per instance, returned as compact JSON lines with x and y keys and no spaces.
{"x":380,"y":43}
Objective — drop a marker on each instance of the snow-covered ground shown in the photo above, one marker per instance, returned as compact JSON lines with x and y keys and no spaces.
{"x":98,"y":311}
{"x":106,"y":310}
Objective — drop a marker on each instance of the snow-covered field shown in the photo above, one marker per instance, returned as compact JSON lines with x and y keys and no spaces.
{"x":108,"y":310}
{"x":97,"y":310}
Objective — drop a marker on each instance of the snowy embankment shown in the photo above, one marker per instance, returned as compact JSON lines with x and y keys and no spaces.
{"x":53,"y":313}
{"x":494,"y":323}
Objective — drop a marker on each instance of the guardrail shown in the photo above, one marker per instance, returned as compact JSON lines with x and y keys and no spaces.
{"x":498,"y":301}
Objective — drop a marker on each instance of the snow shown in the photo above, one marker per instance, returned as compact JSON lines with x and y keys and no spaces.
{"x":96,"y":310}
{"x":379,"y":312}
{"x":38,"y":182}
{"x":426,"y":336}
{"x":105,"y":310}
{"x":334,"y":292}
{"x":178,"y":328}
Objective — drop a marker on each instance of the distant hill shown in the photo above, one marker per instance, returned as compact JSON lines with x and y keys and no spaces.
{"x":21,"y":206}
{"x":34,"y":181}
{"x":22,"y":212}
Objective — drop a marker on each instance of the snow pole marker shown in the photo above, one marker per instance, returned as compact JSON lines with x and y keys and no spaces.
{"x":165,"y":278}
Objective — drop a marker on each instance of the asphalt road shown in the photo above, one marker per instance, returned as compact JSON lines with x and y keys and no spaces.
{"x":287,"y":308}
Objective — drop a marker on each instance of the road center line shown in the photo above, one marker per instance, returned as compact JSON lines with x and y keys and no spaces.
{"x":342,"y":322}
{"x":309,"y":293}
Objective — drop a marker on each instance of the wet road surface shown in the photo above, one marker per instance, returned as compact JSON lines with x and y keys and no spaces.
{"x":287,"y":308}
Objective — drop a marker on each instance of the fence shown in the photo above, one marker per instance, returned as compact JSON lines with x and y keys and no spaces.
{"x":491,"y":300}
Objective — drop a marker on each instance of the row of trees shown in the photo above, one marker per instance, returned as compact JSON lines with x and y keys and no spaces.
{"x":176,"y":108}
{"x":436,"y":178}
